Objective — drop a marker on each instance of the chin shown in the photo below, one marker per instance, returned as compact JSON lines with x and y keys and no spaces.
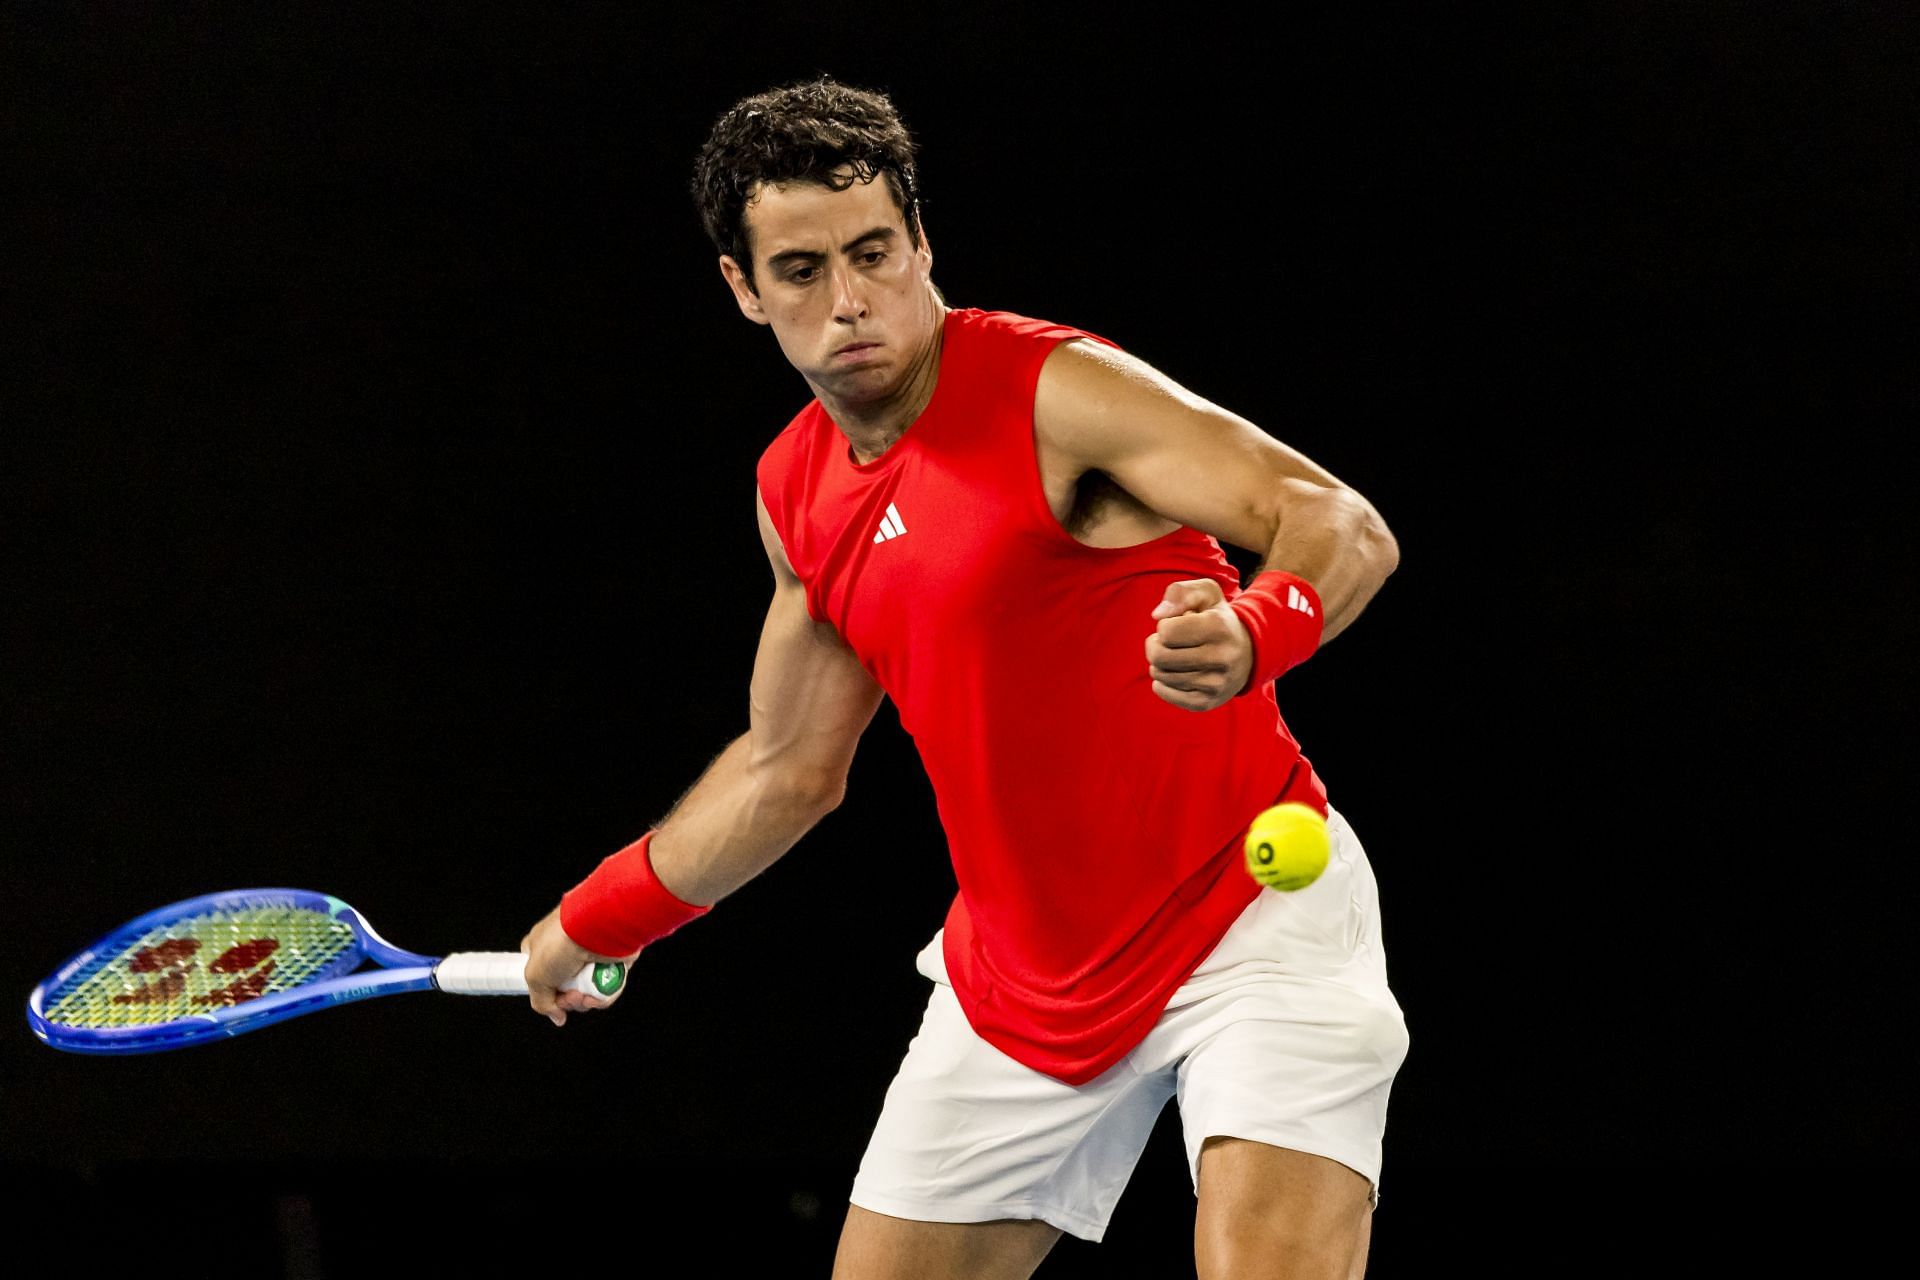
{"x":862,"y":384}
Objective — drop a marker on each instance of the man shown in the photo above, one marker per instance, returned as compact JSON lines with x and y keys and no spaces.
{"x":1013,"y":528}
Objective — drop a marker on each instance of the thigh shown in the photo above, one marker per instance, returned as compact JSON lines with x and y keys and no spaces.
{"x":1289,"y":1035}
{"x":968,"y":1135}
{"x":875,"y":1246}
{"x":1269,"y":1211}
{"x":1303,"y":1066}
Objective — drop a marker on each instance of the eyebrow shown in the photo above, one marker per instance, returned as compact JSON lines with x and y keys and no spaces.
{"x":780,"y":260}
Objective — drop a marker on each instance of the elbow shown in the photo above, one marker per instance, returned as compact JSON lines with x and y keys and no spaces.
{"x":816,"y":792}
{"x":1385,"y":548}
{"x":828,"y":798}
{"x":1373,"y":542}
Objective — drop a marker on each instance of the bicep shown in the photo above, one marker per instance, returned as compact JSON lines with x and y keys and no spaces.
{"x":1185,"y":457}
{"x":811,"y":698}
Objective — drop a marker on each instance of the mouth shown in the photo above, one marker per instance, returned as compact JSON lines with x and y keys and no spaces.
{"x":855,"y":348}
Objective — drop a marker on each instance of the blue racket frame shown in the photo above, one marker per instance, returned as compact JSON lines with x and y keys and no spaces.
{"x":340,"y":982}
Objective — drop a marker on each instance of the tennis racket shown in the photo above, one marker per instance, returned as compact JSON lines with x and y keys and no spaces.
{"x":232,"y":962}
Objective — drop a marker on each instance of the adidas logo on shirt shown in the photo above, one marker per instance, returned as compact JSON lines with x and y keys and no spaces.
{"x":890,"y":525}
{"x":1294,"y":599}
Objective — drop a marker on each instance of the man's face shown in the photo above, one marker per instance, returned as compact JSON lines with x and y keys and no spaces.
{"x":846,"y":292}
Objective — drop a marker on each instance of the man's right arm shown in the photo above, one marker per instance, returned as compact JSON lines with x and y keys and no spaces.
{"x":811,"y":700}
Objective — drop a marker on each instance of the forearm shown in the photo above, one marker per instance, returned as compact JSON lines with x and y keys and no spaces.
{"x":1339,"y":543}
{"x":810,"y":700}
{"x":729,"y":827}
{"x":734,"y":823}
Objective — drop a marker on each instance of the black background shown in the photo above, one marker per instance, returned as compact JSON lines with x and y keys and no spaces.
{"x":377,"y":482}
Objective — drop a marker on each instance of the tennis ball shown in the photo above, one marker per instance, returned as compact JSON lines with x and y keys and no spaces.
{"x":1288,"y":846}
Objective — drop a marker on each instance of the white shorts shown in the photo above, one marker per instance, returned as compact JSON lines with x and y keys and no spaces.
{"x":1285,"y":1034}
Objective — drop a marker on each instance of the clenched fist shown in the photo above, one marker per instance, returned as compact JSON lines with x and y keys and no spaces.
{"x":1199,"y":654}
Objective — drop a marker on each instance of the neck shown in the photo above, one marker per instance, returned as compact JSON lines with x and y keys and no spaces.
{"x":873,"y":426}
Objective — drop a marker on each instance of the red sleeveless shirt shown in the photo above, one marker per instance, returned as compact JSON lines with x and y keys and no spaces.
{"x":1095,"y":830}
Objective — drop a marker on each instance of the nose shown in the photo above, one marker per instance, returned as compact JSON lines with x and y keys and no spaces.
{"x":849,"y":295}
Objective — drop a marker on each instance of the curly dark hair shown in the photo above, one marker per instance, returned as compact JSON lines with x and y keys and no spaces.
{"x":818,"y":131}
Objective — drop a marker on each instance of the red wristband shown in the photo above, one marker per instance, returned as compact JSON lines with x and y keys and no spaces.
{"x":622,"y":906}
{"x":1283,"y":617}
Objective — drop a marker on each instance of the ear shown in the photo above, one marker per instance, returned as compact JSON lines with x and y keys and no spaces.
{"x":743,"y":293}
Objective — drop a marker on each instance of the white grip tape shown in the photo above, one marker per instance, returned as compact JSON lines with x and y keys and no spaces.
{"x":503,"y":973}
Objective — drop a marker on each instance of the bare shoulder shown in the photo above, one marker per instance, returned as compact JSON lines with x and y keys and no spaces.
{"x":1097,"y":404}
{"x":1080,"y":377}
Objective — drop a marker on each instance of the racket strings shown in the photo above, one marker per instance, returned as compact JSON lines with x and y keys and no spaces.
{"x":200,"y":964}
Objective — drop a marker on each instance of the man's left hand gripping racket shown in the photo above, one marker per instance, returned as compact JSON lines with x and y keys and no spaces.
{"x":230,"y":962}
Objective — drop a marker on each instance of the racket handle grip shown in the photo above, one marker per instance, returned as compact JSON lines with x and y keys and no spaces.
{"x":504,"y":973}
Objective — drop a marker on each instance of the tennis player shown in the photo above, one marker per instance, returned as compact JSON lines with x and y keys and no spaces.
{"x":1013,"y":528}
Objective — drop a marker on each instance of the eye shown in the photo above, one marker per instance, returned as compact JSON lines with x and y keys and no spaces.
{"x":800,"y":275}
{"x":873,"y":257}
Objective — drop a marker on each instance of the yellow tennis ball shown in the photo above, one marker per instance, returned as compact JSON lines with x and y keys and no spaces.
{"x":1288,"y":846}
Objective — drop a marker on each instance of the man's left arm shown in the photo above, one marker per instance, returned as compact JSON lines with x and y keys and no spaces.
{"x":1193,"y":462}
